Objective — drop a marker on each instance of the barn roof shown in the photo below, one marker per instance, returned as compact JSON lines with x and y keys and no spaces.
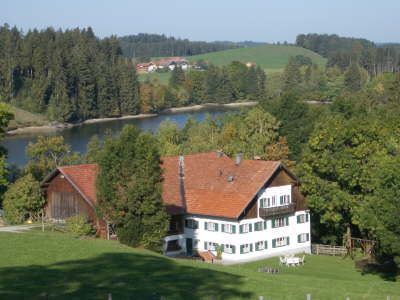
{"x":81,"y":177}
{"x":206,"y":183}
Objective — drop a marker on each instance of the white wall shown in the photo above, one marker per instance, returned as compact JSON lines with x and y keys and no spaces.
{"x":238,"y":238}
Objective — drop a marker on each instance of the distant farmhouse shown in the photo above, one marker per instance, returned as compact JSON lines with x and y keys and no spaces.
{"x":166,"y":63}
{"x":248,"y":209}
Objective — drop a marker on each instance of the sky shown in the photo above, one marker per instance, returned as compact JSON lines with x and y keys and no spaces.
{"x":210,"y":20}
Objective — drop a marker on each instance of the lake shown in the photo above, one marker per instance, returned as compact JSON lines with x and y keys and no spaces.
{"x":79,"y":136}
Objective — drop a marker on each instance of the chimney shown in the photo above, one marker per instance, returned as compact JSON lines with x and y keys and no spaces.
{"x":238,"y":159}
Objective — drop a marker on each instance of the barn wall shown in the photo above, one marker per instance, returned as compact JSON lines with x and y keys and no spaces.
{"x":59,"y":185}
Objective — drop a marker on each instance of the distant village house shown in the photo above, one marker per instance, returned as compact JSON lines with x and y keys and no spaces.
{"x":169,"y":63}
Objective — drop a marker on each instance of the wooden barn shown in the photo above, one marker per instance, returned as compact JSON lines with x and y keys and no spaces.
{"x":70,"y":191}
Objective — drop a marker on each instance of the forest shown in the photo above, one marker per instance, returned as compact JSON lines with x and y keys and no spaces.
{"x":342,"y":51}
{"x":71,"y":76}
{"x":143,"y":45}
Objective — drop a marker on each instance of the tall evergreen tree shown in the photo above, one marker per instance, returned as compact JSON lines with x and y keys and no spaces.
{"x":352,"y":77}
{"x":129,"y":188}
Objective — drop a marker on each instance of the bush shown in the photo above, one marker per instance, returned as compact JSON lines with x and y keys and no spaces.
{"x":23,"y":200}
{"x":79,"y":225}
{"x":219,"y":252}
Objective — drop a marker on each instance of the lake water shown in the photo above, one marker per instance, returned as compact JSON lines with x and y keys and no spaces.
{"x":79,"y":136}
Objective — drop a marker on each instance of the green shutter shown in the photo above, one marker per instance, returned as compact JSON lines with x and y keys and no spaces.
{"x":241,"y":228}
{"x":298,"y":219}
{"x":222,"y":247}
{"x":308,"y":237}
{"x":216,"y":226}
{"x":256,"y":225}
{"x":273,"y":223}
{"x":233,"y":228}
{"x":256,"y":246}
{"x":233,"y":249}
{"x":265,"y":244}
{"x":241,"y":249}
{"x":205,"y":245}
{"x":287,"y":221}
{"x":196,"y":224}
{"x":265,"y":225}
{"x":251,"y":247}
{"x":287,"y":241}
{"x":298,"y":238}
{"x":250,"y":228}
{"x":274,"y":243}
{"x":205,"y":226}
{"x":223,"y":227}
{"x":307,"y":216}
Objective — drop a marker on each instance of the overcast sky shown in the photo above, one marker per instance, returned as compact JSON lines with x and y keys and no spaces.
{"x":257,"y":20}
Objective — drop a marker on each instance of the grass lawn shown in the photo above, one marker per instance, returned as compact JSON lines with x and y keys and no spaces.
{"x":48,"y":265}
{"x":163,"y":78}
{"x":272,"y":58}
{"x":26,"y":118}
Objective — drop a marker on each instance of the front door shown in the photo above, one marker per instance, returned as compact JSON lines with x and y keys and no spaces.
{"x":189,"y":246}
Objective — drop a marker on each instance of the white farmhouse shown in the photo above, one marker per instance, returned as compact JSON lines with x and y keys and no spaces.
{"x":251,"y":209}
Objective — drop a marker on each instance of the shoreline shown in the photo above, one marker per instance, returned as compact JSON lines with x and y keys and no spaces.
{"x":61,"y":126}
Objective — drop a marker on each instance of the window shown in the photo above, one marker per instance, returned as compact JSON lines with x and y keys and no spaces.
{"x":280,"y":242}
{"x":246,"y":248}
{"x":265,"y":202}
{"x":261,"y":245}
{"x":210,"y":246}
{"x":280,"y":222}
{"x":173,"y":245}
{"x":245,"y":228}
{"x":303,"y":237}
{"x":190,"y":223}
{"x":284,"y":199}
{"x":273,"y":201}
{"x":258,"y":226}
{"x":211,"y":226}
{"x":228,"y":228}
{"x":195,"y":244}
{"x":303,"y":218}
{"x":229,"y":249}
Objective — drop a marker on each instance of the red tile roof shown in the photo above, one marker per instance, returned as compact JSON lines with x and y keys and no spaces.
{"x":83,"y":178}
{"x":204,"y":188}
{"x":207,"y":190}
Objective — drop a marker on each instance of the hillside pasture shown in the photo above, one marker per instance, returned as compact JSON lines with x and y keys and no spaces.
{"x":51,"y":265}
{"x":271,"y":58}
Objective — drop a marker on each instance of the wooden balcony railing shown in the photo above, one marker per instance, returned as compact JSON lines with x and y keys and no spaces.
{"x":276,"y":211}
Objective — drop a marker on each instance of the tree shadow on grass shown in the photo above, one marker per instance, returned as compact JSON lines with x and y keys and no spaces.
{"x":124,"y":275}
{"x":387,"y":270}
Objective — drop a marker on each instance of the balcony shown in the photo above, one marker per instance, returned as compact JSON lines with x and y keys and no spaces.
{"x":278,"y":210}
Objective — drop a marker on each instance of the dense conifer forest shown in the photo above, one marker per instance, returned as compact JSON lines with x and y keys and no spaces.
{"x":342,"y":51}
{"x":72,"y":75}
{"x":145,"y":45}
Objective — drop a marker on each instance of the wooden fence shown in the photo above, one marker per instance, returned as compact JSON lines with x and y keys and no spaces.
{"x":328,"y":249}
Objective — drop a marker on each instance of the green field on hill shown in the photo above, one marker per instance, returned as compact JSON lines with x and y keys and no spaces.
{"x":51,"y":265}
{"x":272,"y":58}
{"x":25,"y":118}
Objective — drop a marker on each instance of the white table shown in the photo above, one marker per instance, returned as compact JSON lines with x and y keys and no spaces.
{"x":293,"y":261}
